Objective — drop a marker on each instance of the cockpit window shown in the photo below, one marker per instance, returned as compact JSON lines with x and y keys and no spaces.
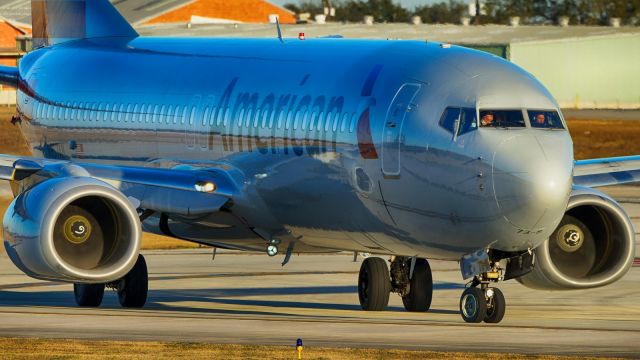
{"x":464,"y":118}
{"x":545,"y":119}
{"x":449,"y":119}
{"x":468,"y":121}
{"x":501,"y":118}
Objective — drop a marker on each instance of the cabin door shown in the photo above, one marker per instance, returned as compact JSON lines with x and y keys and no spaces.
{"x":393,"y":138}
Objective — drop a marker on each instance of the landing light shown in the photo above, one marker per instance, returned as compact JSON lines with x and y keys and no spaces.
{"x":206,"y":187}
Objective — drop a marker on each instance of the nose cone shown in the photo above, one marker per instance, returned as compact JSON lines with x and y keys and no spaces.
{"x":532,"y":175}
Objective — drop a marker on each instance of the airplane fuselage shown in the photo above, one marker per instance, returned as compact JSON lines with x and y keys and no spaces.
{"x":340,"y":143}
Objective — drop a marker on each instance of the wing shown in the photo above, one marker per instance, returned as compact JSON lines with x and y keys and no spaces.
{"x":8,"y":76}
{"x":607,"y":171}
{"x":187,"y":190}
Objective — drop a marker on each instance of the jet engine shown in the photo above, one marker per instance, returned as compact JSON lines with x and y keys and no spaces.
{"x":593,"y":246}
{"x":72,"y":229}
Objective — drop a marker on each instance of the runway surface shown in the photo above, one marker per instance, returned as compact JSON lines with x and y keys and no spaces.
{"x":251,"y":299}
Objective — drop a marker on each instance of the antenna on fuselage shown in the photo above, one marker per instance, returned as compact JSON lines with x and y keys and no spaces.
{"x":279,"y":30}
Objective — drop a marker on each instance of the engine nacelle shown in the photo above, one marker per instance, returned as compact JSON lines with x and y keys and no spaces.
{"x":593,"y":246}
{"x":72,"y":229}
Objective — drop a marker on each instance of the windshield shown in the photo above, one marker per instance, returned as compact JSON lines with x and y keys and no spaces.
{"x":545,"y":119}
{"x":501,"y":118}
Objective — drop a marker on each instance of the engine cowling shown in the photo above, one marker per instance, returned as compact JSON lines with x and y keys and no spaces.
{"x":72,"y":229}
{"x":593,"y":246}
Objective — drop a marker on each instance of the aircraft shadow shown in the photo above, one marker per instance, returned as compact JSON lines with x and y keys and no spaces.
{"x":175,"y":300}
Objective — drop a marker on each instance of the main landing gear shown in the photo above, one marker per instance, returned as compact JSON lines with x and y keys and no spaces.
{"x":408,"y":277}
{"x":132,"y":289}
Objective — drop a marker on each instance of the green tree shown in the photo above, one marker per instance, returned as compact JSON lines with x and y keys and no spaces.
{"x":440,"y":13}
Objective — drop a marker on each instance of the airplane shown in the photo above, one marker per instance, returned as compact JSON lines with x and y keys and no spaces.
{"x":411,"y":150}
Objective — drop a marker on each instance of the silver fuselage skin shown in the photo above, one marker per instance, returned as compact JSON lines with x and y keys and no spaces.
{"x":337,"y":141}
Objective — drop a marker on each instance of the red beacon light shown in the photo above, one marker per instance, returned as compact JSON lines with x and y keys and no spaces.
{"x":301,"y":36}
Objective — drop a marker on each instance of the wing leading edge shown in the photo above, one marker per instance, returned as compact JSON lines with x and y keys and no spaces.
{"x":607,"y":171}
{"x":188,"y":191}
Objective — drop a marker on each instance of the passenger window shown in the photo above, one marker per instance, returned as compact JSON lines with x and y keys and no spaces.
{"x":219,"y":116}
{"x":226,"y":116}
{"x":120,"y":113}
{"x":449,"y":119}
{"x":265,"y":117}
{"x":80,"y":113}
{"x":501,"y":118}
{"x":135,"y":115}
{"x":545,"y":119}
{"x":327,"y":122}
{"x":156,"y":114}
{"x":176,"y":115}
{"x":167,"y":114}
{"x":296,"y":121}
{"x":345,"y":120}
{"x":212,"y":116}
{"x":205,"y":116}
{"x":183,"y":119}
{"x":354,"y":121}
{"x":289,"y":119}
{"x":320,"y":123}
{"x":127,"y":115}
{"x":193,"y":115}
{"x":143,"y":113}
{"x":281,"y":117}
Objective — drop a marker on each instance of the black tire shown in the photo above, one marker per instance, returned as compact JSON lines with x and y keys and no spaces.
{"x":420,"y":288}
{"x":88,"y":295}
{"x":473,"y":305}
{"x":374,"y":284}
{"x":132,"y":293}
{"x":495,"y":312}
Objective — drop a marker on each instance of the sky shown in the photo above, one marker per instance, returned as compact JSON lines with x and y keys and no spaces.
{"x":409,"y":4}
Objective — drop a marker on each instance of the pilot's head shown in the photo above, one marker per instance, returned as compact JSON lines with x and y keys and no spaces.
{"x":487,"y":119}
{"x":540,"y":119}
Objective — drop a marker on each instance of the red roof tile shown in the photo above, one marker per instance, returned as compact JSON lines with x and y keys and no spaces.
{"x":249,"y":11}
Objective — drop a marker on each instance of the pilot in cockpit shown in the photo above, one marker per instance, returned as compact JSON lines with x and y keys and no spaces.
{"x":540,"y":120}
{"x":487,"y":119}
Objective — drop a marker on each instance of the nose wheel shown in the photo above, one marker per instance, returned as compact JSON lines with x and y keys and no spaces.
{"x":478,"y":304}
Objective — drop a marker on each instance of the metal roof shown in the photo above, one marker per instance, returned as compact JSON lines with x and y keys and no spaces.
{"x":488,"y":34}
{"x":134,"y":11}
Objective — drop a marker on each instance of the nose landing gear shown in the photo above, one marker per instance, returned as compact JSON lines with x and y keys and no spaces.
{"x":480,"y":302}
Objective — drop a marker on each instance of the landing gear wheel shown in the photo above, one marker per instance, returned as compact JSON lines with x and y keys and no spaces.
{"x":88,"y":295}
{"x":374,"y":285}
{"x":496,"y":307}
{"x":132,"y":291}
{"x":473,"y":305}
{"x":420,"y":288}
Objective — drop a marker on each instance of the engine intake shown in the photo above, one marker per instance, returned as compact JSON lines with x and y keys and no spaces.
{"x":73,"y":229}
{"x":593,"y":246}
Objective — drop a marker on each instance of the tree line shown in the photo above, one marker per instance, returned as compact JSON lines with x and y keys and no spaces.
{"x":579,"y":12}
